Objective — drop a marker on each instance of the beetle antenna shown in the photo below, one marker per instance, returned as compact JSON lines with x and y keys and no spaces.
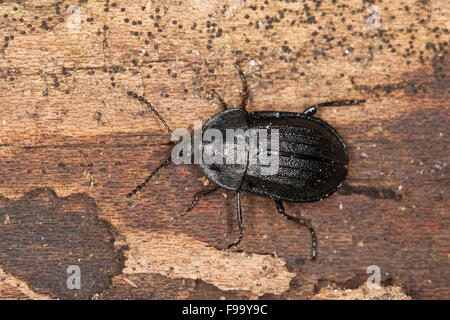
{"x":152,"y":109}
{"x":245,"y":91}
{"x":139,"y":187}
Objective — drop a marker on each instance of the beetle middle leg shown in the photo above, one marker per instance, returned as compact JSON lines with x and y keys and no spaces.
{"x":239,"y":216}
{"x":313,"y":109}
{"x":197,"y":197}
{"x":302,"y":222}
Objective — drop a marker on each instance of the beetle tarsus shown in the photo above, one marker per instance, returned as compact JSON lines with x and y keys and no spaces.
{"x":197,"y":197}
{"x":303,"y":222}
{"x":235,"y":244}
{"x":222,"y":103}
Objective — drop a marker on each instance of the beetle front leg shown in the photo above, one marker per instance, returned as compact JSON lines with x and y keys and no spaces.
{"x":239,"y":216}
{"x":197,"y":197}
{"x":302,"y":222}
{"x":313,"y":109}
{"x":222,"y":103}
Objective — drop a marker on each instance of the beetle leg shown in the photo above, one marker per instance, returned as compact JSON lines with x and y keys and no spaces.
{"x":222,"y":103}
{"x":312,"y":110}
{"x":245,"y":91}
{"x":301,"y":221}
{"x":197,"y":196}
{"x":139,"y":187}
{"x":239,"y":216}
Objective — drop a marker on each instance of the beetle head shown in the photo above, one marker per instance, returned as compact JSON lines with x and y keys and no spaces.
{"x":225,"y":158}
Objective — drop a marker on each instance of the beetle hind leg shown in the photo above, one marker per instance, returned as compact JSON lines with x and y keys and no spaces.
{"x":313,"y":109}
{"x":197,"y":197}
{"x":239,"y":216}
{"x":301,"y":221}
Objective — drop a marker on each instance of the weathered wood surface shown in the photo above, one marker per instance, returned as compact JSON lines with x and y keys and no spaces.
{"x":72,"y":144}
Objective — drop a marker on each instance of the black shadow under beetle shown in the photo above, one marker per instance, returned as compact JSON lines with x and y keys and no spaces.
{"x":313,"y":158}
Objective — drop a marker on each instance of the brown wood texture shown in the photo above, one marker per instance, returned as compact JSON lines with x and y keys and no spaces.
{"x":72,"y":144}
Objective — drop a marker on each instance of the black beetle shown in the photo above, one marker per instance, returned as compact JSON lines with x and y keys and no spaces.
{"x":313,"y":158}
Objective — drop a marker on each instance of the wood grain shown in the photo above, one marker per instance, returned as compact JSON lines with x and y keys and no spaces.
{"x":66,"y":124}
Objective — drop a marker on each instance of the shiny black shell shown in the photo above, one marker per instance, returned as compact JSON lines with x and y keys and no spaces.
{"x":313,"y":157}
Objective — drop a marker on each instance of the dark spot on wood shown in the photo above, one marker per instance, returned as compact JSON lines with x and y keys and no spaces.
{"x":43,"y":234}
{"x":206,"y":291}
